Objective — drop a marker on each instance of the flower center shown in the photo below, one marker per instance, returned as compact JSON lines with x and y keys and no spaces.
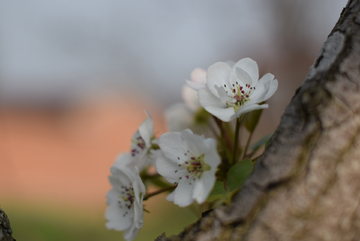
{"x":238,"y":95}
{"x":127,"y":198}
{"x":195,"y":167}
{"x":138,"y":143}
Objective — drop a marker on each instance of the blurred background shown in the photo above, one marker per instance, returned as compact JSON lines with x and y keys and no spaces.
{"x":77,"y":76}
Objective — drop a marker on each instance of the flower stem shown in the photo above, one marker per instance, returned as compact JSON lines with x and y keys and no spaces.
{"x":149,"y":195}
{"x":247,"y":145}
{"x":211,"y":127}
{"x":236,"y":141}
{"x":223,"y":133}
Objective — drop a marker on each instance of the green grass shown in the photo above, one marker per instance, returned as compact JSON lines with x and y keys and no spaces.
{"x":37,"y":221}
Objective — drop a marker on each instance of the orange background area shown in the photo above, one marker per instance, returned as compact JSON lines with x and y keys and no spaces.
{"x":64,"y":156}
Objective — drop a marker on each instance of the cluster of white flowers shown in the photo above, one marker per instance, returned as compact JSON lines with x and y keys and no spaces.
{"x":186,"y":160}
{"x":231,"y":92}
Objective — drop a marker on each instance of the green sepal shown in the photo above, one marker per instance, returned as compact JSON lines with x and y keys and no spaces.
{"x":237,"y":174}
{"x":252,"y":119}
{"x":154,"y":147}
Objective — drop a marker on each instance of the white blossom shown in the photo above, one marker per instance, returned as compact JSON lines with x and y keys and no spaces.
{"x":231,"y":92}
{"x":190,"y":161}
{"x":142,"y":152}
{"x":179,"y":117}
{"x":125,"y":200}
{"x":182,"y":115}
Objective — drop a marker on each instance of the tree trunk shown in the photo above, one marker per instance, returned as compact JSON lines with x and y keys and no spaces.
{"x":5,"y":229}
{"x":306,"y":186}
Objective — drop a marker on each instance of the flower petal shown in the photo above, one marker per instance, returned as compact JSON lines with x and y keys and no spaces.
{"x":114,"y":214}
{"x":183,"y":193}
{"x":250,"y":67}
{"x":194,"y":143}
{"x":258,"y":94}
{"x":169,"y":169}
{"x":198,"y":75}
{"x":218,"y":75}
{"x":191,"y":98}
{"x":131,"y":233}
{"x":224,"y":114}
{"x":194,"y":85}
{"x":203,"y":186}
{"x":146,"y":130}
{"x":248,"y":108}
{"x":138,"y":214}
{"x":212,"y":158}
{"x":222,"y":94}
{"x":206,"y":98}
{"x":241,"y":76}
{"x":273,"y":87}
{"x":118,"y":179}
{"x":173,"y":146}
{"x":266,"y":78}
{"x":170,"y":197}
{"x":124,"y":159}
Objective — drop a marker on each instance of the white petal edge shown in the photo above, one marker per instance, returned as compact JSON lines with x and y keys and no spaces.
{"x":224,"y":114}
{"x":217,"y":75}
{"x":172,"y":146}
{"x":194,"y":85}
{"x":203,"y":186}
{"x":250,"y":67}
{"x":169,"y":169}
{"x":266,"y":78}
{"x":131,"y":233}
{"x":183,"y":193}
{"x":170,"y":197}
{"x":124,"y":159}
{"x":248,"y":108}
{"x":273,"y":87}
{"x":113,"y":213}
{"x":194,"y":143}
{"x":206,"y":98}
{"x":146,"y":130}
{"x":258,"y":94}
{"x":191,"y":98}
{"x":241,"y":77}
{"x":212,"y":157}
{"x":198,"y":75}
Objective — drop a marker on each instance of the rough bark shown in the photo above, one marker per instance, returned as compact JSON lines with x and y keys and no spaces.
{"x":306,"y":186}
{"x":5,"y":229}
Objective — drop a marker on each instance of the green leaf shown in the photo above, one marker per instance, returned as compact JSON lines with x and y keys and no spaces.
{"x":252,"y":119}
{"x":263,"y":141}
{"x":218,"y":192}
{"x":237,"y":174}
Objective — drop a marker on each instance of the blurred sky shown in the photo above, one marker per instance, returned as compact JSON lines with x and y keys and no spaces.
{"x":55,"y":52}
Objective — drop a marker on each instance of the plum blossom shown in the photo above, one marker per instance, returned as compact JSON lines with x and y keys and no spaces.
{"x":231,"y":92}
{"x":190,"y":161}
{"x":143,"y":141}
{"x":125,"y":200}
